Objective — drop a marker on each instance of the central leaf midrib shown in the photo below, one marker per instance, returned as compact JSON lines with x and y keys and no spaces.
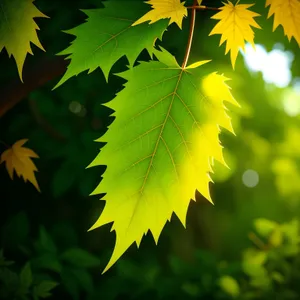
{"x":160,"y":134}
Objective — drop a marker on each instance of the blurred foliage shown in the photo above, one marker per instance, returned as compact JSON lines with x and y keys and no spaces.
{"x":214,"y":257}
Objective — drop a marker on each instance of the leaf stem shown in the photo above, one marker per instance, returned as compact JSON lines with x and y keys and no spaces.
{"x":203,"y":7}
{"x":191,"y":33}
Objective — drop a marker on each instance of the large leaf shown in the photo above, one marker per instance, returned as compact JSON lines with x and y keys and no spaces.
{"x":160,"y":147}
{"x":108,"y":35}
{"x":18,"y":29}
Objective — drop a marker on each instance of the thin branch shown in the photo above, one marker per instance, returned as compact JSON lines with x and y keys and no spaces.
{"x":44,"y":71}
{"x":203,"y":7}
{"x":257,"y":241}
{"x":191,"y":33}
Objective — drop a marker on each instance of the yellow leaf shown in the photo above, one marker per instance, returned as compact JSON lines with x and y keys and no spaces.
{"x":162,"y":9}
{"x":287,"y":14}
{"x":235,"y":27}
{"x":18,"y":158}
{"x":18,"y":29}
{"x":199,"y":2}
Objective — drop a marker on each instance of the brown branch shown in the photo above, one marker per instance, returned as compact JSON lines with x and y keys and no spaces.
{"x":191,"y":33}
{"x":43,"y":72}
{"x":203,"y":7}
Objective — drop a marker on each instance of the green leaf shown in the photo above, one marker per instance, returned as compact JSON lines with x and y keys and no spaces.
{"x":18,"y":29}
{"x":264,"y":227}
{"x":45,"y":241}
{"x":80,"y":258}
{"x":108,"y":35}
{"x":47,"y":261}
{"x":3,"y":261}
{"x":276,"y":237}
{"x":84,"y":279}
{"x":278,"y":277}
{"x":44,"y":288}
{"x":16,"y":231}
{"x":70,"y":283}
{"x":253,"y":263}
{"x":26,"y":276}
{"x":160,"y":146}
{"x":63,"y":179}
{"x":190,"y":289}
{"x":230,"y":286}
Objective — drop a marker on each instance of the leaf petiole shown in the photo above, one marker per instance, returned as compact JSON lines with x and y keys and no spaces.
{"x":203,"y":7}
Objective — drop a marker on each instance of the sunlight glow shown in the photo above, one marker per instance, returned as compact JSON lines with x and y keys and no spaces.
{"x":275,"y":65}
{"x":250,"y":178}
{"x":291,"y":103}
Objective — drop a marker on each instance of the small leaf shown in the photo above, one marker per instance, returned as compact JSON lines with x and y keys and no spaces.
{"x":253,"y":261}
{"x":45,"y":241}
{"x":190,"y":289}
{"x":278,"y":277}
{"x":162,"y":9}
{"x":18,"y":29}
{"x":44,"y":288}
{"x":84,"y":279}
{"x":276,"y":237}
{"x":47,"y":261}
{"x":230,"y":286}
{"x":70,"y":283}
{"x":235,"y":27}
{"x":287,"y":14}
{"x":63,"y":179}
{"x":18,"y":158}
{"x":264,"y":227}
{"x":3,"y":261}
{"x":80,"y":258}
{"x":26,"y":276}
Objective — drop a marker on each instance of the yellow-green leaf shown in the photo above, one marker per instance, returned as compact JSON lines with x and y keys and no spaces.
{"x":276,"y":237}
{"x":264,"y":227}
{"x":162,"y":9}
{"x":230,"y":286}
{"x":18,"y":158}
{"x":18,"y":29}
{"x":235,"y":27}
{"x":287,"y":14}
{"x":160,"y":146}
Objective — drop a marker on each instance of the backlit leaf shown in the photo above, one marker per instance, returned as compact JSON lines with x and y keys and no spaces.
{"x":287,"y":14}
{"x":159,"y":150}
{"x":108,"y":35}
{"x":162,"y":9}
{"x":230,"y":286}
{"x":18,"y":29}
{"x":18,"y":158}
{"x":235,"y":27}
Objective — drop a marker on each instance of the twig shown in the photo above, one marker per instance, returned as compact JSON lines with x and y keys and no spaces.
{"x":257,"y":241}
{"x":203,"y":7}
{"x":191,"y":33}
